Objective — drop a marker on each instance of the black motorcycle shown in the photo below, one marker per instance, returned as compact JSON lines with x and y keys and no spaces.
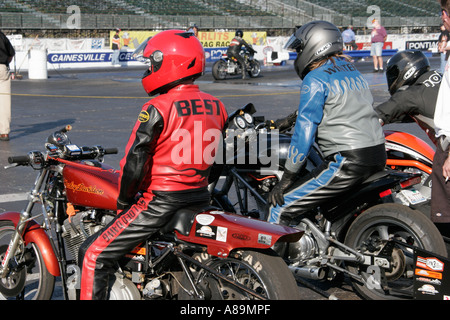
{"x":230,"y":66}
{"x":364,"y":234}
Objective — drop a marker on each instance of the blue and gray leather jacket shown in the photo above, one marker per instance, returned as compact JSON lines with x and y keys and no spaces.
{"x":336,"y":111}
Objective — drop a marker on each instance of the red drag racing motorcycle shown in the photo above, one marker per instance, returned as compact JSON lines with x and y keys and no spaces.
{"x":202,"y":253}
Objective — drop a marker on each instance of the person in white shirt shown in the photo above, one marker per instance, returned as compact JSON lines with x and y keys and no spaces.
{"x":440,"y":195}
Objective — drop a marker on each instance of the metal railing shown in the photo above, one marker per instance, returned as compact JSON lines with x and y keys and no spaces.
{"x":10,"y":20}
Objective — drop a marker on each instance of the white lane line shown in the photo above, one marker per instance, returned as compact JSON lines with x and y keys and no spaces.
{"x":12,"y":197}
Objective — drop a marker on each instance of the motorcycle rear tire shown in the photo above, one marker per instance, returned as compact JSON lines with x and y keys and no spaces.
{"x":261,"y":271}
{"x":219,"y":70}
{"x":39,"y":284}
{"x":386,"y":220}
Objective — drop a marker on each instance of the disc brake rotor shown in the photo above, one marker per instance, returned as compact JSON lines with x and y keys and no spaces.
{"x":398,"y":265}
{"x":13,"y":283}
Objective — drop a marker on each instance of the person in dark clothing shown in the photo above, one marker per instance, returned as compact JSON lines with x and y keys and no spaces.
{"x":157,"y":178}
{"x":235,"y":48}
{"x":414,"y":89}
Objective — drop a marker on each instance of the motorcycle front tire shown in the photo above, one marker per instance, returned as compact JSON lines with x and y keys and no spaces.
{"x":392,"y":220}
{"x":263,"y":272}
{"x":32,"y":282}
{"x":255,"y":69}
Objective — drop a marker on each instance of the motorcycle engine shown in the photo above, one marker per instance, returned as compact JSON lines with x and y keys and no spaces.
{"x":305,"y":248}
{"x":77,"y":228}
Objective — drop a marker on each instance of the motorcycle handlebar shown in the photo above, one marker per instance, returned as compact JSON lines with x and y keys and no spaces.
{"x":21,"y":160}
{"x":66,"y":128}
{"x":111,"y":151}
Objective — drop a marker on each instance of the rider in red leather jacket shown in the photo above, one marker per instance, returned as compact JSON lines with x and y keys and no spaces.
{"x":167,"y":158}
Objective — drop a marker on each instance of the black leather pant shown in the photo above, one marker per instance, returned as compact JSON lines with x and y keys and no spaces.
{"x":99,"y":254}
{"x":241,"y":61}
{"x":337,"y":175}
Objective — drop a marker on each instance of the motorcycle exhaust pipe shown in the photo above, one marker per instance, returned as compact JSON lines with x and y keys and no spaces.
{"x":313,"y":273}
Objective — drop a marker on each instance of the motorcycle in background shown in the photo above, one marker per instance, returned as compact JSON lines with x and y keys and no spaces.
{"x":202,"y":253}
{"x":363,"y":234}
{"x":230,"y":66}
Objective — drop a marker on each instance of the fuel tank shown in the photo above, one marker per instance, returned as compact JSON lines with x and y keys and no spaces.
{"x":91,"y":183}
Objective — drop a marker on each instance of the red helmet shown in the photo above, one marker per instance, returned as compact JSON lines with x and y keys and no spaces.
{"x":174,"y":57}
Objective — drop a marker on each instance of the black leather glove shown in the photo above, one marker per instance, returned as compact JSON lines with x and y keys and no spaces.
{"x":284,"y":123}
{"x":276,"y":195}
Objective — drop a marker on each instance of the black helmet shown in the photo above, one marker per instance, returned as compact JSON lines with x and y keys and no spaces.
{"x":314,"y":41}
{"x":404,"y":68}
{"x":239,"y":33}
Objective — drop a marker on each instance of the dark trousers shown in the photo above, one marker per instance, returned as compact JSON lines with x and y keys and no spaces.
{"x":99,"y":253}
{"x":335,"y":176}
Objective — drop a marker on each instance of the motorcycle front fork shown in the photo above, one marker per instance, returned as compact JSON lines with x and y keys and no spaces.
{"x":25,"y":215}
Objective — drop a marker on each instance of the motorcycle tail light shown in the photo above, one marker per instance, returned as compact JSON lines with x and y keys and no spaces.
{"x":385,"y":193}
{"x":410,"y":182}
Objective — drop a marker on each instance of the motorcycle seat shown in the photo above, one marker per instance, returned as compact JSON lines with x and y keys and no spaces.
{"x":376,"y":176}
{"x":183,"y":219}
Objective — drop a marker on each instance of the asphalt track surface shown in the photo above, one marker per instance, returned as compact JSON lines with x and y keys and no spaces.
{"x":102,"y":106}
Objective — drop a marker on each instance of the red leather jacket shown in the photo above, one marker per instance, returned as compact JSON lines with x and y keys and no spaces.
{"x":172,"y":144}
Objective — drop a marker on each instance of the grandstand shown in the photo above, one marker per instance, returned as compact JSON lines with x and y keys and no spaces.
{"x":213,"y":14}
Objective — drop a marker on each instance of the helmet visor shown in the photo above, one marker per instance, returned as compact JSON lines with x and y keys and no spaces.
{"x":392,"y":74}
{"x":294,"y":43}
{"x":139,"y":51}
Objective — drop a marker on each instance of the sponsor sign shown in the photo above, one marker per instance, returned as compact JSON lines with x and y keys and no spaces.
{"x":423,"y":45}
{"x":431,"y":276}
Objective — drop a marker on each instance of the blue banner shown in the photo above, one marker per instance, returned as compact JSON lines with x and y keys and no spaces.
{"x":211,"y":54}
{"x":86,"y":57}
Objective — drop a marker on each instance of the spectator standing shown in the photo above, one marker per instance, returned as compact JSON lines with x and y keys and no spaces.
{"x":440,"y":193}
{"x":348,"y":36}
{"x":442,"y":44}
{"x":116,"y":49}
{"x":6,"y":55}
{"x":194,"y":29}
{"x":379,"y":36}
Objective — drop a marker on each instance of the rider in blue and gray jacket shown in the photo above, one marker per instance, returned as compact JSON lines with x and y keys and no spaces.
{"x":336,"y":112}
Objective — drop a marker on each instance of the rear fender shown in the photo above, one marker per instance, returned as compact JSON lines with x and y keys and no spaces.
{"x":35,"y":234}
{"x":405,"y":142}
{"x":223,"y":232}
